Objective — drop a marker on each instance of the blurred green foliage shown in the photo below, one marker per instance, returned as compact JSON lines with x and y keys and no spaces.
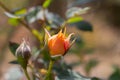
{"x":115,"y":75}
{"x":46,"y":3}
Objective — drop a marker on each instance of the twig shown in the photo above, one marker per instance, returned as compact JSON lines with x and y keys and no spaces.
{"x":37,"y":76}
{"x":4,"y":7}
{"x":21,"y":21}
{"x":48,"y":76}
{"x":26,"y":73}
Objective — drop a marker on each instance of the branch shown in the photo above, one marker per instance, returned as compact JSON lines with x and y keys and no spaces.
{"x":4,"y":7}
{"x":21,"y":21}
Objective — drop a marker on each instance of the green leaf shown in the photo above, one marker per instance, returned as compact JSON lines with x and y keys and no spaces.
{"x":46,"y":3}
{"x":82,"y":25}
{"x":54,"y":20}
{"x":17,"y":14}
{"x":13,"y":21}
{"x":63,"y":72}
{"x":74,"y":64}
{"x":71,"y":75}
{"x":80,"y":2}
{"x":76,"y":11}
{"x":92,"y":63}
{"x":35,"y":52}
{"x":13,"y":46}
{"x":37,"y":34}
{"x":22,"y":61}
{"x":79,"y":42}
{"x":43,"y":15}
{"x":78,"y":45}
{"x":14,"y":62}
{"x":21,"y":12}
{"x":34,"y":14}
{"x":95,"y":78}
{"x":74,"y":19}
{"x":10,"y":15}
{"x":115,"y":75}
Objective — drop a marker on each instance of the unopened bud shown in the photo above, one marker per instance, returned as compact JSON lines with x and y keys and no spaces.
{"x":23,"y":50}
{"x":23,"y":54}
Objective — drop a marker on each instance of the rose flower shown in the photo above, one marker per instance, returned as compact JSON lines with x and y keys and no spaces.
{"x":59,"y":44}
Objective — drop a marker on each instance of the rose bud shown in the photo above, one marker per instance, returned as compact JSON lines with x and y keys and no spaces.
{"x":59,"y":44}
{"x":23,"y":53}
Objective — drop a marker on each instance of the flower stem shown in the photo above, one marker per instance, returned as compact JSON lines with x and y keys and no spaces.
{"x":26,"y":73}
{"x":49,"y":76}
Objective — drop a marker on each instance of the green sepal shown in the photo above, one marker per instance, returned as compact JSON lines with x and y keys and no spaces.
{"x":22,"y":61}
{"x":13,"y":46}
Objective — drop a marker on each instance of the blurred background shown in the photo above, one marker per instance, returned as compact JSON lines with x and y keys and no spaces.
{"x":98,"y":47}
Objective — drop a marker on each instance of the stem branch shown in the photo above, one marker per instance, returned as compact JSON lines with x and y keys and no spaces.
{"x":26,"y":73}
{"x":49,"y":76}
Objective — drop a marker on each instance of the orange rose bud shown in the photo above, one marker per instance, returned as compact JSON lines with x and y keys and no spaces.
{"x":59,"y":44}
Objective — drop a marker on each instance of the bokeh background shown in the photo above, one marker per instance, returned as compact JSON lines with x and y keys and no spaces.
{"x":100,"y":50}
